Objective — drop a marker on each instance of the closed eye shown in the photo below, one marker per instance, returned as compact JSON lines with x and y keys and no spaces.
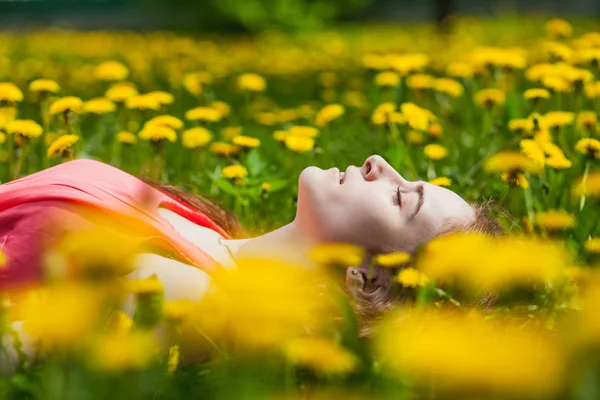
{"x":399,"y":197}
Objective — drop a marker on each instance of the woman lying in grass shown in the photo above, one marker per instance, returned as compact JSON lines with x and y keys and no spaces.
{"x":194,"y":241}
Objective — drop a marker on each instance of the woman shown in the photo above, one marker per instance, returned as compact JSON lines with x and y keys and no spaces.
{"x":372,"y":206}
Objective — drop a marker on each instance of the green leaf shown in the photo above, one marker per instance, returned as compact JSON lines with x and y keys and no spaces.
{"x":395,"y":156}
{"x":255,"y":163}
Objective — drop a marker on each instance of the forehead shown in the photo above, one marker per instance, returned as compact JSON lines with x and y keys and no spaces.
{"x":444,"y":205}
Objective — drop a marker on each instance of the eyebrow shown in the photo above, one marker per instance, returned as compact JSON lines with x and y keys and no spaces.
{"x":419,"y":203}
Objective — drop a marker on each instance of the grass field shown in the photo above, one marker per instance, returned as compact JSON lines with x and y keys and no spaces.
{"x":503,"y":109}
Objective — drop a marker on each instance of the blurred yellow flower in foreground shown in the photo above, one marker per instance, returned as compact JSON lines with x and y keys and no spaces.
{"x":44,"y":86}
{"x":510,"y":161}
{"x":66,"y":104}
{"x":533,"y":150}
{"x":435,"y":151}
{"x":471,"y":354}
{"x":521,"y":125}
{"x":589,"y":187}
{"x":555,"y":220}
{"x":9,"y":92}
{"x":489,"y":98}
{"x":111,"y":71}
{"x":321,"y":355}
{"x":481,"y":261}
{"x":157,"y":133}
{"x":119,"y":352}
{"x":195,"y":137}
{"x":558,"y":28}
{"x":553,"y":119}
{"x":177,"y":310}
{"x":62,"y":146}
{"x":252,"y":82}
{"x":24,"y":127}
{"x":441,"y":181}
{"x":61,"y":315}
{"x":235,"y":171}
{"x":299,"y":144}
{"x":410,"y":277}
{"x":394,"y":259}
{"x":99,"y":105}
{"x":420,"y":81}
{"x":329,"y":113}
{"x":592,"y":245}
{"x":337,"y":254}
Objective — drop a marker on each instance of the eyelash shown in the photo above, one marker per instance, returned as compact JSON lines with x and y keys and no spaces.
{"x":399,"y":197}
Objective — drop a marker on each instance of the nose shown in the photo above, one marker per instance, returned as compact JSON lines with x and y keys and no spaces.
{"x":375,"y":166}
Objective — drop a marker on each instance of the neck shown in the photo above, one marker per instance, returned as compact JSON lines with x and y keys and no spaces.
{"x":287,"y":244}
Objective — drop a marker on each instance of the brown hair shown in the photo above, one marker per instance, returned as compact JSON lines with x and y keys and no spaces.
{"x":383,"y":295}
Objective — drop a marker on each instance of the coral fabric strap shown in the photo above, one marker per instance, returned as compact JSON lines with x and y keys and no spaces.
{"x":99,"y":187}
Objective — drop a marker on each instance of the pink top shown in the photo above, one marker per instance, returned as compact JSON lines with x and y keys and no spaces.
{"x":29,"y":203}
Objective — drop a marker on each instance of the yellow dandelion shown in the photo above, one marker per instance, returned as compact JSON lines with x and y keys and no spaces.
{"x":126,"y":137}
{"x":417,"y":117}
{"x":387,"y":79}
{"x":558,"y":162}
{"x":489,"y":98}
{"x":515,"y":179}
{"x":266,"y":118}
{"x":588,"y":147}
{"x":231,"y":131}
{"x":142,"y":102}
{"x":235,"y":171}
{"x":510,"y":161}
{"x":196,"y":137}
{"x":557,"y":83}
{"x":24,"y":127}
{"x":435,"y":151}
{"x":558,"y":28}
{"x":162,"y":97}
{"x":205,"y":114}
{"x":222,"y":107}
{"x":321,"y":355}
{"x":420,"y":81}
{"x":280,"y":135}
{"x":65,"y":105}
{"x":460,"y":70}
{"x":449,"y":86}
{"x":111,"y":71}
{"x":252,"y":82}
{"x":150,"y":285}
{"x":406,"y":64}
{"x":534,"y":151}
{"x":555,"y":220}
{"x":302,"y":130}
{"x":122,"y":352}
{"x":435,"y":130}
{"x":394,"y":259}
{"x":344,"y":254}
{"x":224,"y":149}
{"x":382,"y":112}
{"x":299,"y":144}
{"x":62,"y":146}
{"x":158,"y":133}
{"x":410,"y":277}
{"x":536,"y":94}
{"x":246,"y":141}
{"x":99,"y":105}
{"x":592,"y":90}
{"x":44,"y":86}
{"x":592,"y":245}
{"x":120,"y":92}
{"x":329,"y":113}
{"x":521,"y":125}
{"x":414,"y":137}
{"x":587,"y":120}
{"x":166,"y":120}
{"x":555,"y":119}
{"x":441,"y":181}
{"x":10,"y":93}
{"x":177,"y":310}
{"x":266,"y":187}
{"x":192,"y":82}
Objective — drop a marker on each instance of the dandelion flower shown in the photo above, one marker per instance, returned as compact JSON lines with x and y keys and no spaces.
{"x":235,"y":171}
{"x":120,"y":92}
{"x":224,"y":149}
{"x":555,"y":119}
{"x":122,"y":352}
{"x":521,"y":125}
{"x":10,"y":93}
{"x":536,"y":94}
{"x":158,"y":133}
{"x":420,"y":81}
{"x":196,"y":137}
{"x":449,"y":86}
{"x":302,"y":130}
{"x":231,"y":131}
{"x":441,"y":181}
{"x":534,"y":151}
{"x":142,"y":102}
{"x":24,"y":127}
{"x":344,"y":254}
{"x":394,"y":259}
{"x":162,"y":97}
{"x":44,"y":86}
{"x":66,"y":104}
{"x":222,"y":107}
{"x":558,"y":28}
{"x":111,"y":71}
{"x":410,"y":277}
{"x":387,"y":79}
{"x":417,"y":117}
{"x":414,"y":137}
{"x":592,"y":245}
{"x":207,"y":114}
{"x":321,"y":355}
{"x":515,"y":179}
{"x":329,"y":113}
{"x":555,"y":220}
{"x":99,"y":106}
{"x":588,"y":147}
{"x":592,"y":90}
{"x":252,"y":82}
{"x":62,"y":146}
{"x":192,"y":83}
{"x":126,"y":137}
{"x":246,"y":141}
{"x":460,"y":70}
{"x":587,"y":120}
{"x":510,"y":161}
{"x":266,"y":118}
{"x":166,"y":120}
{"x":299,"y":144}
{"x":489,"y":98}
{"x":435,"y":151}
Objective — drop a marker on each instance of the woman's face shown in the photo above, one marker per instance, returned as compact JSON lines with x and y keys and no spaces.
{"x":375,"y":207}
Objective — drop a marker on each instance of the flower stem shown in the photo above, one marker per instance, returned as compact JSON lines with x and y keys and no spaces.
{"x":586,"y":172}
